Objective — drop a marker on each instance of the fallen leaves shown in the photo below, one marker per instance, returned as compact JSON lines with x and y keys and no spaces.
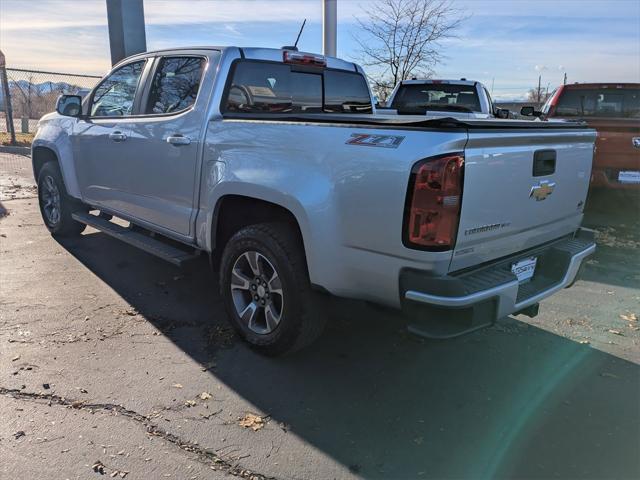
{"x":222,"y":336}
{"x":98,"y":467}
{"x":252,"y":421}
{"x":101,"y":468}
{"x":208,"y":366}
{"x":609,"y":237}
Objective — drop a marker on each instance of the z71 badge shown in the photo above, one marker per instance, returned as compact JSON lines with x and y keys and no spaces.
{"x":366,"y":140}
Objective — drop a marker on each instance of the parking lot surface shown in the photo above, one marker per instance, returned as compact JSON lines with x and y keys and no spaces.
{"x":115,"y":363}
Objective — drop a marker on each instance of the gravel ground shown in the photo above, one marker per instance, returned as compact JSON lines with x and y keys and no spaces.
{"x":113,"y":362}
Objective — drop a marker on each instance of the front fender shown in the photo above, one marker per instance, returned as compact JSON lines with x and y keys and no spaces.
{"x":54,"y":133}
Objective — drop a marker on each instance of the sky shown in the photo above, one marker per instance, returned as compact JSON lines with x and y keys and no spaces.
{"x":506,"y":44}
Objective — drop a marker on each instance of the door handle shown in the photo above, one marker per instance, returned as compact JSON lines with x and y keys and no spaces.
{"x":117,"y":136}
{"x":178,"y":140}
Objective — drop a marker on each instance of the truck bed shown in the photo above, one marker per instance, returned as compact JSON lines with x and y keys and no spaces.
{"x":410,"y":121}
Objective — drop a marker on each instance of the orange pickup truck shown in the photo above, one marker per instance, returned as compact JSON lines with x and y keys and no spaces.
{"x":613,"y":109}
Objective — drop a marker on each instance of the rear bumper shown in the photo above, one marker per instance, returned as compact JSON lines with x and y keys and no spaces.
{"x":471,"y":299}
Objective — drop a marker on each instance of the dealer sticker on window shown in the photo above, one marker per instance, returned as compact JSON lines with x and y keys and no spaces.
{"x":629,"y":176}
{"x":524,"y":269}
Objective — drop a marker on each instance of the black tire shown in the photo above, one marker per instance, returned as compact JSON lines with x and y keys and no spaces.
{"x":61,"y":224}
{"x":299,"y":324}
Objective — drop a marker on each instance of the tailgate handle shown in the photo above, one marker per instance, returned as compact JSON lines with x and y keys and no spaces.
{"x":544,"y":163}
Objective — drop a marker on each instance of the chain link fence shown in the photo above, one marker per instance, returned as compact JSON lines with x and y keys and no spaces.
{"x":33,"y":93}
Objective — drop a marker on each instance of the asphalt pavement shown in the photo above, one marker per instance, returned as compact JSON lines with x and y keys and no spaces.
{"x":114,"y":363}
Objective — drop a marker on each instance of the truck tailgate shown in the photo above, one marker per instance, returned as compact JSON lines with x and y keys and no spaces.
{"x":521,"y":188}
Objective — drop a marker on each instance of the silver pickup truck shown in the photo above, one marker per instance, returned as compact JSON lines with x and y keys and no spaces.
{"x":272,"y":162}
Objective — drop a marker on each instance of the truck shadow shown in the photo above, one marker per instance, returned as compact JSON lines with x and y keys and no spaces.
{"x":614,"y":216}
{"x":513,"y":401}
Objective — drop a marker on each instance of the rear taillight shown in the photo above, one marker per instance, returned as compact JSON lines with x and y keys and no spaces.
{"x":434,"y":197}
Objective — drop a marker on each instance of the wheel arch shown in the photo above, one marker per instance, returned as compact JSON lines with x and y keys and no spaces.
{"x":233,"y":212}
{"x":41,"y":155}
{"x":43,"y":151}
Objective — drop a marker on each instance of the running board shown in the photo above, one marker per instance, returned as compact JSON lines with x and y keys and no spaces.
{"x":156,"y":247}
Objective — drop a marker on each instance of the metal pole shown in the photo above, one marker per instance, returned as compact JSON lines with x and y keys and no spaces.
{"x":539,"y":91}
{"x":329,"y":27}
{"x":7,"y":99}
{"x":126,"y":28}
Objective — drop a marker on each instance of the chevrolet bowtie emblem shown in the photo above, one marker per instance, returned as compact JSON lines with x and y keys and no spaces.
{"x":542,"y":190}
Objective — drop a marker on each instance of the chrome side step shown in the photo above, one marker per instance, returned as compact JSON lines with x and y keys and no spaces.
{"x":170,"y":253}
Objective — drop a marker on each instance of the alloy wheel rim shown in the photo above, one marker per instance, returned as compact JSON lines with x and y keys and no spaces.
{"x":256,"y":290}
{"x":51,"y":200}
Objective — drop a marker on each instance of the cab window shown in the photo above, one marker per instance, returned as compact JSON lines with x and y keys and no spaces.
{"x":416,"y":98}
{"x":270,"y":87}
{"x":115,"y":95}
{"x":273,"y":88}
{"x":346,"y":92}
{"x":175,"y":84}
{"x":599,"y":102}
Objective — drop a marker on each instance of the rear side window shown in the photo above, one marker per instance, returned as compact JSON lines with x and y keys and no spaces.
{"x":346,"y":93}
{"x":438,"y":96}
{"x":175,"y":84}
{"x":599,"y":102}
{"x":266,"y":87}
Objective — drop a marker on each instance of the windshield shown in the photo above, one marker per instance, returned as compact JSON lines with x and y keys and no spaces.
{"x":437,"y":96}
{"x":599,"y":102}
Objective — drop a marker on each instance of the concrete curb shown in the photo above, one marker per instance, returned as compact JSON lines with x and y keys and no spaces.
{"x":15,"y":150}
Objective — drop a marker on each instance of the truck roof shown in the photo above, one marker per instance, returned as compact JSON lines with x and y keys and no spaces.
{"x":418,"y":81}
{"x":603,"y":85}
{"x":254,"y":53}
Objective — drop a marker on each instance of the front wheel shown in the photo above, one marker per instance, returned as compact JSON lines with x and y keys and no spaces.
{"x":56,"y":206}
{"x":266,"y":291}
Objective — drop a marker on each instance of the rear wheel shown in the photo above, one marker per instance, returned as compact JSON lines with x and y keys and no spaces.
{"x":266,"y":291}
{"x":56,"y":206}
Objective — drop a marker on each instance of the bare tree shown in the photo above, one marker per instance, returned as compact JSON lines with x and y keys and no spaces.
{"x":537,"y":96}
{"x":401,"y":38}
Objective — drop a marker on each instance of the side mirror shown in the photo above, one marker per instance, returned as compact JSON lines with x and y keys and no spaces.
{"x":529,"y":111}
{"x":502,"y":113}
{"x":69,"y":105}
